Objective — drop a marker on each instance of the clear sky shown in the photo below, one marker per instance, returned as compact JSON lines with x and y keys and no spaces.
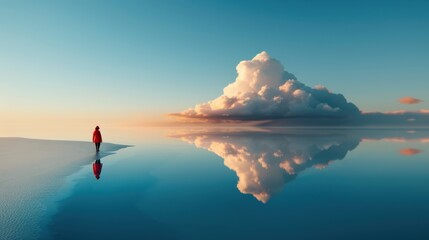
{"x":107,"y":59}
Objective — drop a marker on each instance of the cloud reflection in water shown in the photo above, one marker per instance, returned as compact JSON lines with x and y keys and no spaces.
{"x":264,"y":162}
{"x":410,"y":151}
{"x":268,"y":159}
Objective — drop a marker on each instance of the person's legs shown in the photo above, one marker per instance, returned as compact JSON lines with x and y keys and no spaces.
{"x":97,"y":145}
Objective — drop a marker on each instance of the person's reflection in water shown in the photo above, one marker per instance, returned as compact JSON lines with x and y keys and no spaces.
{"x":96,"y":167}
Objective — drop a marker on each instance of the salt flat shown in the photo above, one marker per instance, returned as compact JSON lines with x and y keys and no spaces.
{"x":33,"y":170}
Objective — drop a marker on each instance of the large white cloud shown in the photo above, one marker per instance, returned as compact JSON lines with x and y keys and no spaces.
{"x":264,"y":90}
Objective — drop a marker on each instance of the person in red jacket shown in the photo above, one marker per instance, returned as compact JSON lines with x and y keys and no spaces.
{"x":96,"y":167}
{"x":96,"y":138}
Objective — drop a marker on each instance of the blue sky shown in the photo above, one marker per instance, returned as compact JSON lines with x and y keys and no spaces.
{"x":154,"y":57}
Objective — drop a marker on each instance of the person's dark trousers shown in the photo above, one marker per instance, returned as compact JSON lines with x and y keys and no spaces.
{"x":97,"y":147}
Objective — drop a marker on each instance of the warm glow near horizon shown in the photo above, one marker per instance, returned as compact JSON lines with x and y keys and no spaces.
{"x":67,"y":66}
{"x":70,"y":126}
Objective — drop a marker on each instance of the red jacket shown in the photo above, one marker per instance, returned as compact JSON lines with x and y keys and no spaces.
{"x":96,"y":167}
{"x":96,"y":137}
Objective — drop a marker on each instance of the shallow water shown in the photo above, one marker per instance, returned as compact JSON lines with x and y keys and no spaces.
{"x":251,"y":184}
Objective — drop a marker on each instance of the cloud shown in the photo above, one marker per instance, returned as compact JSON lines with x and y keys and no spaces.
{"x":410,"y":151}
{"x":263,"y":90}
{"x":264,"y":94}
{"x":409,"y":100}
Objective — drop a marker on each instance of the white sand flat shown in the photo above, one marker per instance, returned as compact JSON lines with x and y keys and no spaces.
{"x":32,"y":170}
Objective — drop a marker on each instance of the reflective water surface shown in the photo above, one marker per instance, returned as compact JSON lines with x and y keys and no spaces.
{"x":252,"y":184}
